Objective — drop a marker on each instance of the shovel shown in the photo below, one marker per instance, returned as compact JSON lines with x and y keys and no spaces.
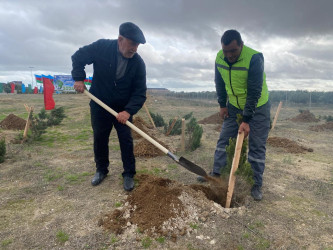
{"x":182,"y":161}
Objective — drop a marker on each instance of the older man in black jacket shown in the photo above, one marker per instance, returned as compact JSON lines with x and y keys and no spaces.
{"x":119,"y":81}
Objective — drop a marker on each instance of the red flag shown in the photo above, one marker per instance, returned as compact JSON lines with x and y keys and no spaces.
{"x":12,"y":88}
{"x":35,"y":90}
{"x":48,"y":89}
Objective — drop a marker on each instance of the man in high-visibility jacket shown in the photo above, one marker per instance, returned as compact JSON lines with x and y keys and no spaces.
{"x":241,"y":89}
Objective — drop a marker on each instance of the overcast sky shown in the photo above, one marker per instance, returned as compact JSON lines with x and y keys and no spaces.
{"x":183,"y":37}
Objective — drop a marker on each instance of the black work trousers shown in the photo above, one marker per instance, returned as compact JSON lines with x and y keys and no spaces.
{"x":102,"y":123}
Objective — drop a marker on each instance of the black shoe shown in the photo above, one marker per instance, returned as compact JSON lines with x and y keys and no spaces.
{"x":203,"y":179}
{"x":128,"y":183}
{"x":98,"y":178}
{"x":256,"y":193}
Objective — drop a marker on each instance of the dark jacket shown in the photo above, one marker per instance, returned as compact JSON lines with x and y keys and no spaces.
{"x":254,"y":86}
{"x":127,"y":93}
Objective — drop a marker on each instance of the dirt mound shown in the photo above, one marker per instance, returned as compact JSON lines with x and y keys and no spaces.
{"x":305,"y":116}
{"x":141,"y":124}
{"x":162,"y":207}
{"x":213,"y":119}
{"x":326,"y":126}
{"x":145,"y":149}
{"x":13,"y":122}
{"x":137,"y":120}
{"x":288,"y":145}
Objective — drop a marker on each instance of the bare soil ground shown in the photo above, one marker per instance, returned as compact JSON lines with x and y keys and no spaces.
{"x":288,"y":145}
{"x":47,"y":202}
{"x":13,"y":122}
{"x":305,"y":116}
{"x":213,"y":119}
{"x":326,"y":126}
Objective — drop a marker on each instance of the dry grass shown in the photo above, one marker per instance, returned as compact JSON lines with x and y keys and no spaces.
{"x":47,"y":202}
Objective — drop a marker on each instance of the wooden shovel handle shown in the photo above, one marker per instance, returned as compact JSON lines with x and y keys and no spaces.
{"x":129,"y":124}
{"x":235,"y":162}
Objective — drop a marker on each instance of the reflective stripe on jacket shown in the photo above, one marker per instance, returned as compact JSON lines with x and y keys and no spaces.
{"x":236,"y":76}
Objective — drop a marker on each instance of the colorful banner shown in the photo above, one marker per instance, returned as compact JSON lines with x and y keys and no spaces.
{"x":29,"y":89}
{"x":12,"y":88}
{"x":23,"y":88}
{"x":35,"y":90}
{"x":48,"y":92}
{"x":64,"y":83}
{"x":1,"y":87}
{"x":40,"y":89}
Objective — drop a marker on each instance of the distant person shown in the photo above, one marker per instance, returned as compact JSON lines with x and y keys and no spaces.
{"x":241,"y":89}
{"x":119,"y":81}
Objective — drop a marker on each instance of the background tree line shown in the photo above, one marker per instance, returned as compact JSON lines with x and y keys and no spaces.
{"x":295,"y":96}
{"x":298,"y":96}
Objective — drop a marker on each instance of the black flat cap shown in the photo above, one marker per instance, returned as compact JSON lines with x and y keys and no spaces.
{"x":132,"y":32}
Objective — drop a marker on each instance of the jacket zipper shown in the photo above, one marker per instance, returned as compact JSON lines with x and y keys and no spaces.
{"x":232,"y":88}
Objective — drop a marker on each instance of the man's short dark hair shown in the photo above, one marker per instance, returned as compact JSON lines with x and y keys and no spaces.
{"x":231,"y":35}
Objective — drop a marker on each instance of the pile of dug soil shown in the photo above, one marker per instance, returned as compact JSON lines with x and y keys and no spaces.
{"x":326,"y":126}
{"x":141,"y":124}
{"x":145,"y":149}
{"x":213,"y":119}
{"x":13,"y":122}
{"x":288,"y":145}
{"x":137,"y":120}
{"x":162,"y":207}
{"x":305,"y":116}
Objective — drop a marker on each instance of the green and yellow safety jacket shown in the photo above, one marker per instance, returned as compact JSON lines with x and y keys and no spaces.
{"x":243,"y":81}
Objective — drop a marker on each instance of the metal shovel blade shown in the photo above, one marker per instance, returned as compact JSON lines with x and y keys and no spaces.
{"x":192,"y":167}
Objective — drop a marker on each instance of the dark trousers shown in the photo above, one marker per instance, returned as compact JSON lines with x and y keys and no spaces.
{"x":259,"y":129}
{"x":102,"y":123}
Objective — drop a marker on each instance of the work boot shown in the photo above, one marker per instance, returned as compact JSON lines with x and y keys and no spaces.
{"x":203,"y":179}
{"x":98,"y":178}
{"x":256,"y":193}
{"x":128,"y":183}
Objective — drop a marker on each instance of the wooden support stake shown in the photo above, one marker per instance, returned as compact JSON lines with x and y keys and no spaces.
{"x":276,"y":115}
{"x":26,"y":107}
{"x":147,"y":111}
{"x":183,"y":136}
{"x":27,"y":125}
{"x":235,"y":162}
{"x":171,"y":126}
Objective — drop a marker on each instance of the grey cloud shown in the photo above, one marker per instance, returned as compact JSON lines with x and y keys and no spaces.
{"x":44,"y":34}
